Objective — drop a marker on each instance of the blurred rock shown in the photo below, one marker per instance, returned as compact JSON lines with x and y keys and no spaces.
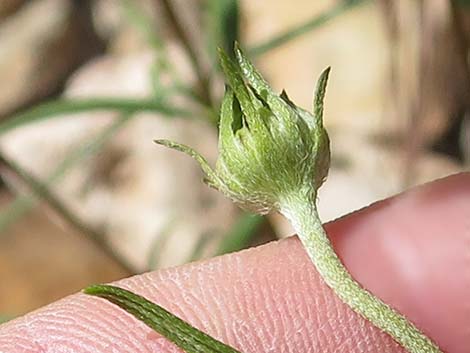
{"x":40,"y":45}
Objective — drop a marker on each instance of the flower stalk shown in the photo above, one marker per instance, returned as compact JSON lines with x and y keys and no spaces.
{"x":303,"y":215}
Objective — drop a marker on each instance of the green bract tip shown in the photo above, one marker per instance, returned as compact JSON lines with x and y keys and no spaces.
{"x":269,"y":148}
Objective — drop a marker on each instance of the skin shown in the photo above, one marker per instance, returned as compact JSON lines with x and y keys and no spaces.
{"x":412,"y":251}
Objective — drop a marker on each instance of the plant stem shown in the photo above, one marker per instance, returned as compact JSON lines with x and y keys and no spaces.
{"x":303,"y":28}
{"x":304,"y":217}
{"x":180,"y":32}
{"x":68,"y":106}
{"x":42,"y":191}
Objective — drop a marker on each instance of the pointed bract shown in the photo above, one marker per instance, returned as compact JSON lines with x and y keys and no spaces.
{"x":275,"y":103}
{"x":210,"y":176}
{"x":319,"y":97}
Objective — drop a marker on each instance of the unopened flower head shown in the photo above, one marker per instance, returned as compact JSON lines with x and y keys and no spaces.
{"x":269,"y":148}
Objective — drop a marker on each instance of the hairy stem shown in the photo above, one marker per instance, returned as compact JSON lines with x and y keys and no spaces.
{"x":304,"y":217}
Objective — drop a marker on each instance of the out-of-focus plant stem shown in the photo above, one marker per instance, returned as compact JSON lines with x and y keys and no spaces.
{"x":42,"y":191}
{"x":241,"y":233}
{"x":178,"y":28}
{"x":303,"y":28}
{"x":74,"y":106}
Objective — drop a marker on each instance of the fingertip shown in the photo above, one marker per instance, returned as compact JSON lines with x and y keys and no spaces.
{"x":411,"y":250}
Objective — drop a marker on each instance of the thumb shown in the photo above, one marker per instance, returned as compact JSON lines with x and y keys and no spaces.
{"x":413,"y":251}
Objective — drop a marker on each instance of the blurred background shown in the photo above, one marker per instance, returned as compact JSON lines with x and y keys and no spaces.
{"x":87,"y":85}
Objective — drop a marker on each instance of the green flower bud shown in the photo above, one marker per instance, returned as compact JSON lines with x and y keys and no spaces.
{"x":269,"y":148}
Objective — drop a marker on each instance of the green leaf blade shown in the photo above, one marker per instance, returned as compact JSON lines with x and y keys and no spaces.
{"x":185,"y":336}
{"x":58,"y":107}
{"x":314,"y":23}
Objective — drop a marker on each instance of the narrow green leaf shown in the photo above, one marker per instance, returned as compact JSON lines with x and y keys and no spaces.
{"x":314,"y":23}
{"x":221,"y":22}
{"x":200,"y":246}
{"x":241,"y":234}
{"x":185,"y":336}
{"x":72,"y":106}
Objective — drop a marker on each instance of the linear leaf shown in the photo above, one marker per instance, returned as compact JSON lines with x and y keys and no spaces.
{"x":314,"y":23}
{"x":70,"y":106}
{"x":185,"y":336}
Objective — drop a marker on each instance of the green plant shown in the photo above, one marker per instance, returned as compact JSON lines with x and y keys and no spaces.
{"x":273,"y":156}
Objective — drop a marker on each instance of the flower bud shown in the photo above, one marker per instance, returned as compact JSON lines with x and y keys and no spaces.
{"x":269,"y":148}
